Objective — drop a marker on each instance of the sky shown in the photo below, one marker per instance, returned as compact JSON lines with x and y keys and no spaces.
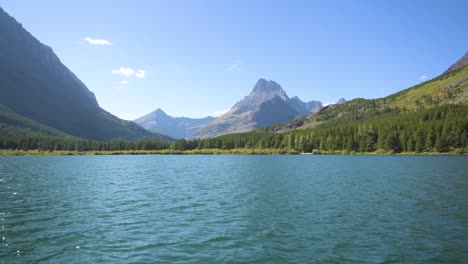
{"x":198,"y":58}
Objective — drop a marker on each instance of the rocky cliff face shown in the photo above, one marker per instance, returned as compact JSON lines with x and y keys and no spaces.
{"x":266,"y":105}
{"x":303,"y":108}
{"x":263,"y":91}
{"x":36,"y":84}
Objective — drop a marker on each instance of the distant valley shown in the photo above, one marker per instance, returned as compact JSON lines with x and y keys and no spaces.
{"x":43,"y":105}
{"x":176,"y":127}
{"x":266,"y":105}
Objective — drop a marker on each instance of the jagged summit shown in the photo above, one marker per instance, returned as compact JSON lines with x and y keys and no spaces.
{"x":266,"y":105}
{"x":459,"y":64}
{"x":303,"y":108}
{"x":264,"y":86}
{"x":262,"y":91}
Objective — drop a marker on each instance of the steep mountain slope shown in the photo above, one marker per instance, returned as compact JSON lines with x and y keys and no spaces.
{"x":176,"y":127}
{"x":36,"y":85}
{"x":14,"y":125}
{"x":303,"y":108}
{"x":449,"y":88}
{"x":266,"y":105}
{"x":273,"y":111}
{"x":431,"y":117}
{"x":459,"y":64}
{"x":263,"y":91}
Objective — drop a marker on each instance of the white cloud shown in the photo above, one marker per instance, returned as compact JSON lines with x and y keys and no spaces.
{"x":218,"y":113}
{"x":124,"y":71}
{"x":234,"y":66}
{"x":140,"y":74}
{"x":124,"y":82}
{"x":128,"y":72}
{"x":97,"y":41}
{"x":422,"y":78}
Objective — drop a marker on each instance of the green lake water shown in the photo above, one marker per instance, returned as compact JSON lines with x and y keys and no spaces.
{"x":234,"y":209}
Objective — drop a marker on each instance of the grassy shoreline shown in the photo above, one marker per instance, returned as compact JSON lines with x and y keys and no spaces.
{"x":5,"y":152}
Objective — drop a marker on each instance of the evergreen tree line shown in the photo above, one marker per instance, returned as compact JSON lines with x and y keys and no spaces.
{"x":435,"y":129}
{"x":61,"y":144}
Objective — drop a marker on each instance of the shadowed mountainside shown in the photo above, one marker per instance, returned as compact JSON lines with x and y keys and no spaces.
{"x":38,"y":86}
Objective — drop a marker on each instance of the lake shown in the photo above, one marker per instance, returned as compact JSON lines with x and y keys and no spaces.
{"x":234,"y":209}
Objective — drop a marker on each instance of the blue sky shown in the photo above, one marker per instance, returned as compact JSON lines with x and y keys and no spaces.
{"x":197,"y":58}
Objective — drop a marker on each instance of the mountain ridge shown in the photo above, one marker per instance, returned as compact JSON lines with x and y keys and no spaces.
{"x":451,"y":87}
{"x":250,"y":112}
{"x":177,"y":127}
{"x":38,"y":86}
{"x":462,"y":62}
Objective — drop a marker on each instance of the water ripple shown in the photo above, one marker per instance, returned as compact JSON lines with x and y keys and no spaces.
{"x":233,"y":209}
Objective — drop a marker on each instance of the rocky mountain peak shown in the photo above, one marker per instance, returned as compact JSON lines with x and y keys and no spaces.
{"x":262,"y":91}
{"x":159,"y":111}
{"x":268,"y":87}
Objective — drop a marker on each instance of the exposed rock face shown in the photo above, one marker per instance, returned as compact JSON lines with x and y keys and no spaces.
{"x":272,"y":112}
{"x":263,"y":91}
{"x":176,"y":127}
{"x":35,"y":84}
{"x":459,"y":64}
{"x":304,"y":108}
{"x":266,"y":105}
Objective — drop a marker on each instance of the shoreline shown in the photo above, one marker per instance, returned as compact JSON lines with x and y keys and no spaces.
{"x":211,"y":152}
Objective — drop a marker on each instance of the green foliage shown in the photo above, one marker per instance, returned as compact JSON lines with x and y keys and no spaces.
{"x":69,"y":144}
{"x":15,"y":125}
{"x":430,"y":117}
{"x":12,"y":124}
{"x":436,"y":129}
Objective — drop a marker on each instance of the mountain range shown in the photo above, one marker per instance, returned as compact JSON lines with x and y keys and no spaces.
{"x":40,"y":96}
{"x":176,"y":127}
{"x":266,"y":105}
{"x":450,"y":88}
{"x":37,"y":86}
{"x":431,"y":117}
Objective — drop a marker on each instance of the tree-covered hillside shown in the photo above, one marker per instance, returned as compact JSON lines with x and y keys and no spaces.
{"x":449,"y":88}
{"x":14,"y":125}
{"x":429,"y":117}
{"x":436,"y":129}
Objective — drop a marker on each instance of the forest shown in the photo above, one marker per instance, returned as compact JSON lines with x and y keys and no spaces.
{"x":436,"y":129}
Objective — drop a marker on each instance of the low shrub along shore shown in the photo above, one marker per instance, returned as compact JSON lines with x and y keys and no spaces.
{"x":207,"y":152}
